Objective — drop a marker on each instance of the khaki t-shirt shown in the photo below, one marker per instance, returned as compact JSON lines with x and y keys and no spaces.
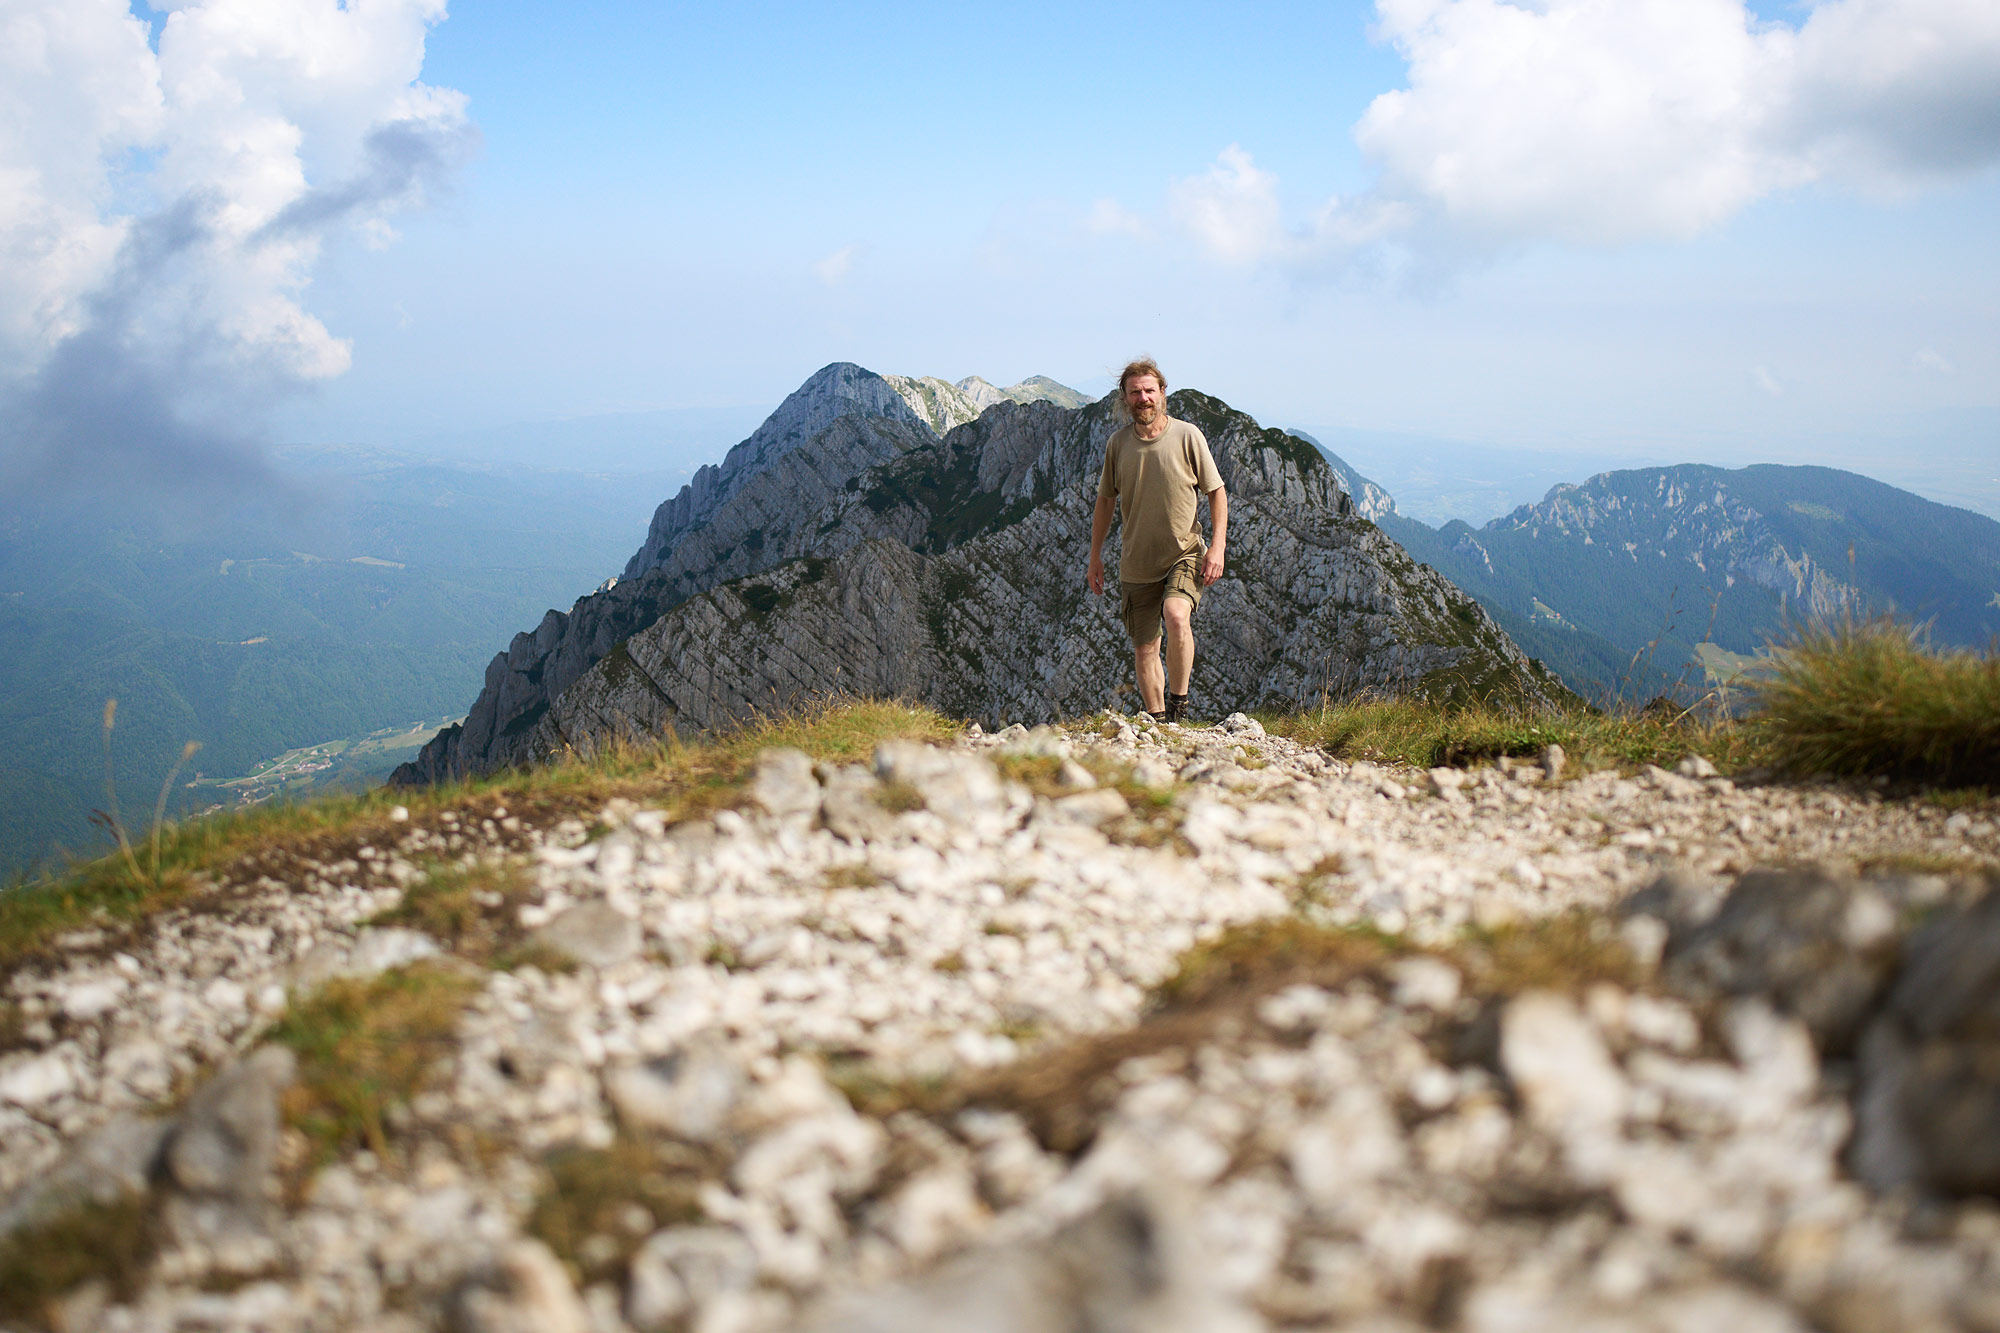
{"x":1155,"y":483}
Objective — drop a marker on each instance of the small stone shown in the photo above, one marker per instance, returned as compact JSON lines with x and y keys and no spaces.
{"x":690,"y":1093}
{"x":399,"y":814}
{"x":684,"y":1270}
{"x":1074,"y":776}
{"x":1559,"y":1065}
{"x":1445,"y":780}
{"x":35,"y":1081}
{"x":1696,"y":766}
{"x":1426,"y":983}
{"x":92,"y":999}
{"x":595,"y":934}
{"x":1090,"y":807}
{"x":1554,"y":760}
{"x":935,"y":1211}
{"x":227,"y":1140}
{"x":524,"y":1291}
{"x":1242,"y":724}
{"x":784,"y":784}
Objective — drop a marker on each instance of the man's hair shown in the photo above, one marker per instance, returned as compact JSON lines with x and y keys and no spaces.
{"x":1145,"y":365}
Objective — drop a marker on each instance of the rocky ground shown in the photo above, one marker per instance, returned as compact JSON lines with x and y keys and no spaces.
{"x":958,"y":1040}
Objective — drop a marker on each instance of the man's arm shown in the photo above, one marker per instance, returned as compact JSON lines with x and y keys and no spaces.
{"x":1218,"y":513}
{"x":1100,"y":528}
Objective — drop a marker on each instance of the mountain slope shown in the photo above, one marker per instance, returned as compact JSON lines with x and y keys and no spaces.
{"x":1669,"y":557}
{"x":872,"y":558}
{"x":270,"y":626}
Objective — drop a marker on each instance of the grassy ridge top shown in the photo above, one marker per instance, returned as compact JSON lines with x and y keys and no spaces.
{"x":1869,"y":700}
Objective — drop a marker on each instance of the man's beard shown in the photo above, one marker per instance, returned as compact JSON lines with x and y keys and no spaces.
{"x":1144,"y":415}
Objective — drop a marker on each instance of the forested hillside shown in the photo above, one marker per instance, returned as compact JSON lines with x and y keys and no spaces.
{"x":369,"y":594}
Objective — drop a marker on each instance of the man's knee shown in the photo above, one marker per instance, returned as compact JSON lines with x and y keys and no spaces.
{"x":1146,"y":652}
{"x":1178,"y":612}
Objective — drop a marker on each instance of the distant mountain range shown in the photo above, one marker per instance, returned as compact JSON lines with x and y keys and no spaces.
{"x":1656,"y":561}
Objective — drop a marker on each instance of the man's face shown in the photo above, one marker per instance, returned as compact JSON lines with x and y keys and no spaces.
{"x":1143,"y":398}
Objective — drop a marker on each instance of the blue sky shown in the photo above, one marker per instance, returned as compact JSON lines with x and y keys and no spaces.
{"x":1659,"y":229}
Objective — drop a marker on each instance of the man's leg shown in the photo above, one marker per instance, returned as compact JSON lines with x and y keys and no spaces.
{"x":1178,"y":612}
{"x":1152,"y":680}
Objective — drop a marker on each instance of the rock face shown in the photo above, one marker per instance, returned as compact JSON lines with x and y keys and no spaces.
{"x":847,"y":548}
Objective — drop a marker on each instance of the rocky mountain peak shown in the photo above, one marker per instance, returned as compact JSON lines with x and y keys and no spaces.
{"x":877,"y":556}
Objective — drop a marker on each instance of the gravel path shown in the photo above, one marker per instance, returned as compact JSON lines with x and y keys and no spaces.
{"x":1395,"y":1151}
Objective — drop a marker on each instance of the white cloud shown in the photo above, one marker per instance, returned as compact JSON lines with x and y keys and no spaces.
{"x":833,"y":269}
{"x":1232,"y":208}
{"x":1767,"y":381}
{"x":1109,"y":218}
{"x":1611,"y":120}
{"x":1930,"y":358}
{"x":162,"y":209}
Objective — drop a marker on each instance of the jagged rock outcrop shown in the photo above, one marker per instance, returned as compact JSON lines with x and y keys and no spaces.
{"x":874,"y":557}
{"x":1370,"y":500}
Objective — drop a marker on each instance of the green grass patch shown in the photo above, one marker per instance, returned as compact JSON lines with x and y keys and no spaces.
{"x":597,"y":1205}
{"x":1429,"y":735}
{"x":1872,"y":698}
{"x":856,"y":876}
{"x":473,"y":911}
{"x":111,"y":1242}
{"x":364,"y":1046}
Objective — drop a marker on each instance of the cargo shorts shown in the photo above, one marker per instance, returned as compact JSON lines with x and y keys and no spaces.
{"x":1139,"y":603}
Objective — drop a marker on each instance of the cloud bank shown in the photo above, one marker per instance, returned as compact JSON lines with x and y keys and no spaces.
{"x":1612,"y":121}
{"x":162,"y":207}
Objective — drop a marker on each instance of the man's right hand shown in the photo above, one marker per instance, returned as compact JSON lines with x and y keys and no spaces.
{"x":1096,"y":575}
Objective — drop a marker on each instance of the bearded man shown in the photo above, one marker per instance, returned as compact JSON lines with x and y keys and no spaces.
{"x":1154,"y":468}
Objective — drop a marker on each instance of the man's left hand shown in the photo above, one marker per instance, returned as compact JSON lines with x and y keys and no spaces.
{"x":1211,"y":567}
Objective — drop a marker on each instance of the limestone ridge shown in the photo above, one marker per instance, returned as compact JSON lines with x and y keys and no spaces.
{"x":1370,"y":500}
{"x":838,"y":390}
{"x":715,"y":529}
{"x":950,"y":570}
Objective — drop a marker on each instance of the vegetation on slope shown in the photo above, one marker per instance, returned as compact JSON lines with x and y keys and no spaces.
{"x":1868,"y":700}
{"x":1872,"y":698}
{"x":111,"y":893}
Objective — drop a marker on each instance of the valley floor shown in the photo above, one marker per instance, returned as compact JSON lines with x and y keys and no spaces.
{"x":1114,"y":1027}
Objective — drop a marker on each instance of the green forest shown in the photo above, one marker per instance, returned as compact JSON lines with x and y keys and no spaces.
{"x":367,"y":591}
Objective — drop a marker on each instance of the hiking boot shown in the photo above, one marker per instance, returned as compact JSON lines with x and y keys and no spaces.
{"x":1177,"y":708}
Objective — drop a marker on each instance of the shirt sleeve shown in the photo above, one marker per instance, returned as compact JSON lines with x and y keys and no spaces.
{"x":1208,"y":480}
{"x":1107,"y":479}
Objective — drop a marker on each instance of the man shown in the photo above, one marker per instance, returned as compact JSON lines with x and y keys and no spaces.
{"x":1153,"y":470}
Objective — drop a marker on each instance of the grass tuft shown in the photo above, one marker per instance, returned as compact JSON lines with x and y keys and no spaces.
{"x":112,"y":1242}
{"x":474,"y":911}
{"x":597,"y":1205}
{"x":365,"y":1046}
{"x":1871,"y":698}
{"x":1428,"y":735}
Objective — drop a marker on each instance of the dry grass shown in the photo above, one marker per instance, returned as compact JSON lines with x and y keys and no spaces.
{"x":1872,"y":698}
{"x":1062,"y":1091}
{"x":1429,"y":735}
{"x":365,"y":1046}
{"x":110,"y":1242}
{"x":473,"y":911}
{"x":597,"y":1205}
{"x":282,"y":840}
